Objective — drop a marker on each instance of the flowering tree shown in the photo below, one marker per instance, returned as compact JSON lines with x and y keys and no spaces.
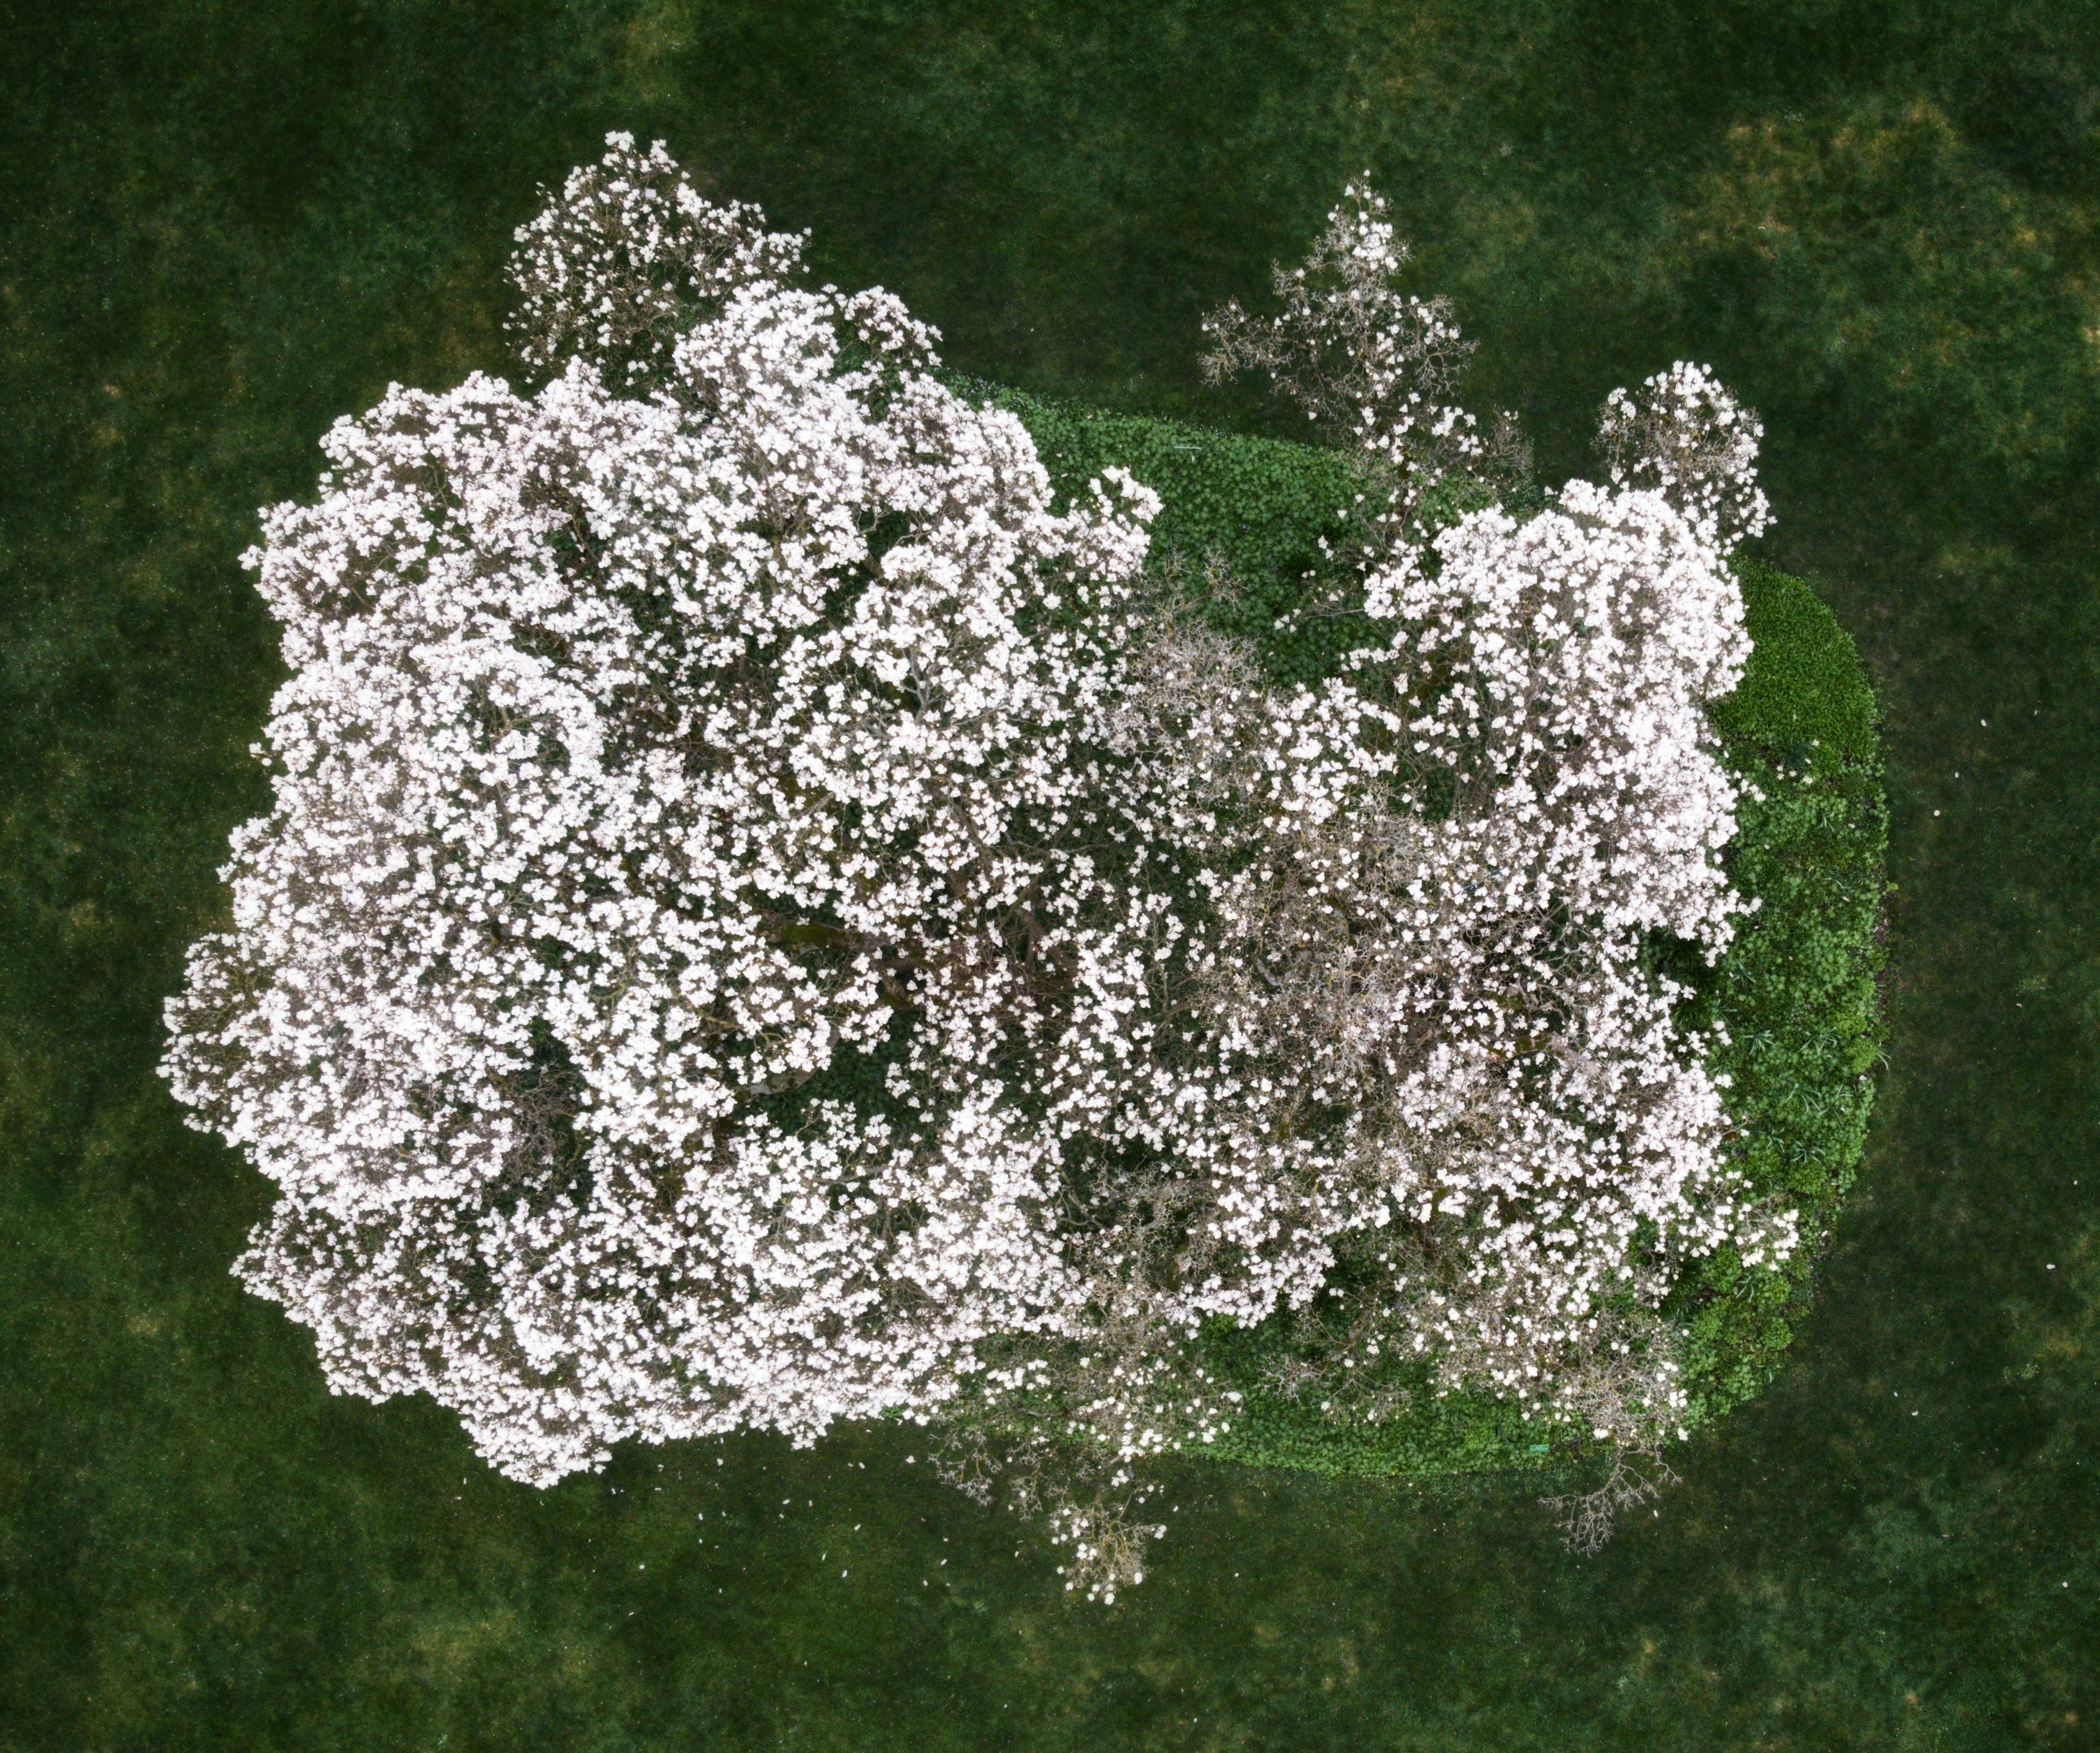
{"x":767,"y":917}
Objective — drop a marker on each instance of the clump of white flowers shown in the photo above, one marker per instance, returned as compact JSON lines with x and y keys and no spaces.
{"x":643,"y":756}
{"x":765,"y":917}
{"x":1377,"y":366}
{"x":630,"y":257}
{"x":1685,"y":439}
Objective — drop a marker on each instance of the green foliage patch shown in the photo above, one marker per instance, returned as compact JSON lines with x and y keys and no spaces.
{"x":1259,"y":507}
{"x":1795,"y":997}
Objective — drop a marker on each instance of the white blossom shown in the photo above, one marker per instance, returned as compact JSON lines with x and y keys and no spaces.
{"x":1685,"y":437}
{"x":761,"y":920}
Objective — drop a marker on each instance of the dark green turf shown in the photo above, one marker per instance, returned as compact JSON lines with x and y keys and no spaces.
{"x":221,"y":226}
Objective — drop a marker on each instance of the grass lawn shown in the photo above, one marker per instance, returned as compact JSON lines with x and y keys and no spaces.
{"x":1879,"y":220}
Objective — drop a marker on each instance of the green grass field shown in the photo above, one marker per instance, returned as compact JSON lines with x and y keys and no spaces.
{"x":1879,"y":220}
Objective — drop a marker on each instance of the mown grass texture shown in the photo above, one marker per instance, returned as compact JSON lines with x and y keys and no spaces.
{"x":1879,"y":220}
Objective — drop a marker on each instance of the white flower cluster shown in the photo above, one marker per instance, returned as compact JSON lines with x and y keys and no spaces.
{"x":641,"y":759}
{"x":1686,"y":439}
{"x":1467,"y":851}
{"x":758,"y":923}
{"x":1378,"y":366}
{"x":629,"y":258}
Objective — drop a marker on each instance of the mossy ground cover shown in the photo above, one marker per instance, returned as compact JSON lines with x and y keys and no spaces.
{"x":224,"y":225}
{"x":1795,"y":995}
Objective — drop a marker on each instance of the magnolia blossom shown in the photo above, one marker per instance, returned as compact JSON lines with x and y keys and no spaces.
{"x":1375,"y":366}
{"x":1685,"y":439}
{"x":1435,"y":949}
{"x":765,"y":917}
{"x":643,"y":758}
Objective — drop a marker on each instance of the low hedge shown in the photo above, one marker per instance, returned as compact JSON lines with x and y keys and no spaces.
{"x":1796,"y":992}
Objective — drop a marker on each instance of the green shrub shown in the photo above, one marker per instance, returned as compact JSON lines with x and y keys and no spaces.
{"x":1796,"y":993}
